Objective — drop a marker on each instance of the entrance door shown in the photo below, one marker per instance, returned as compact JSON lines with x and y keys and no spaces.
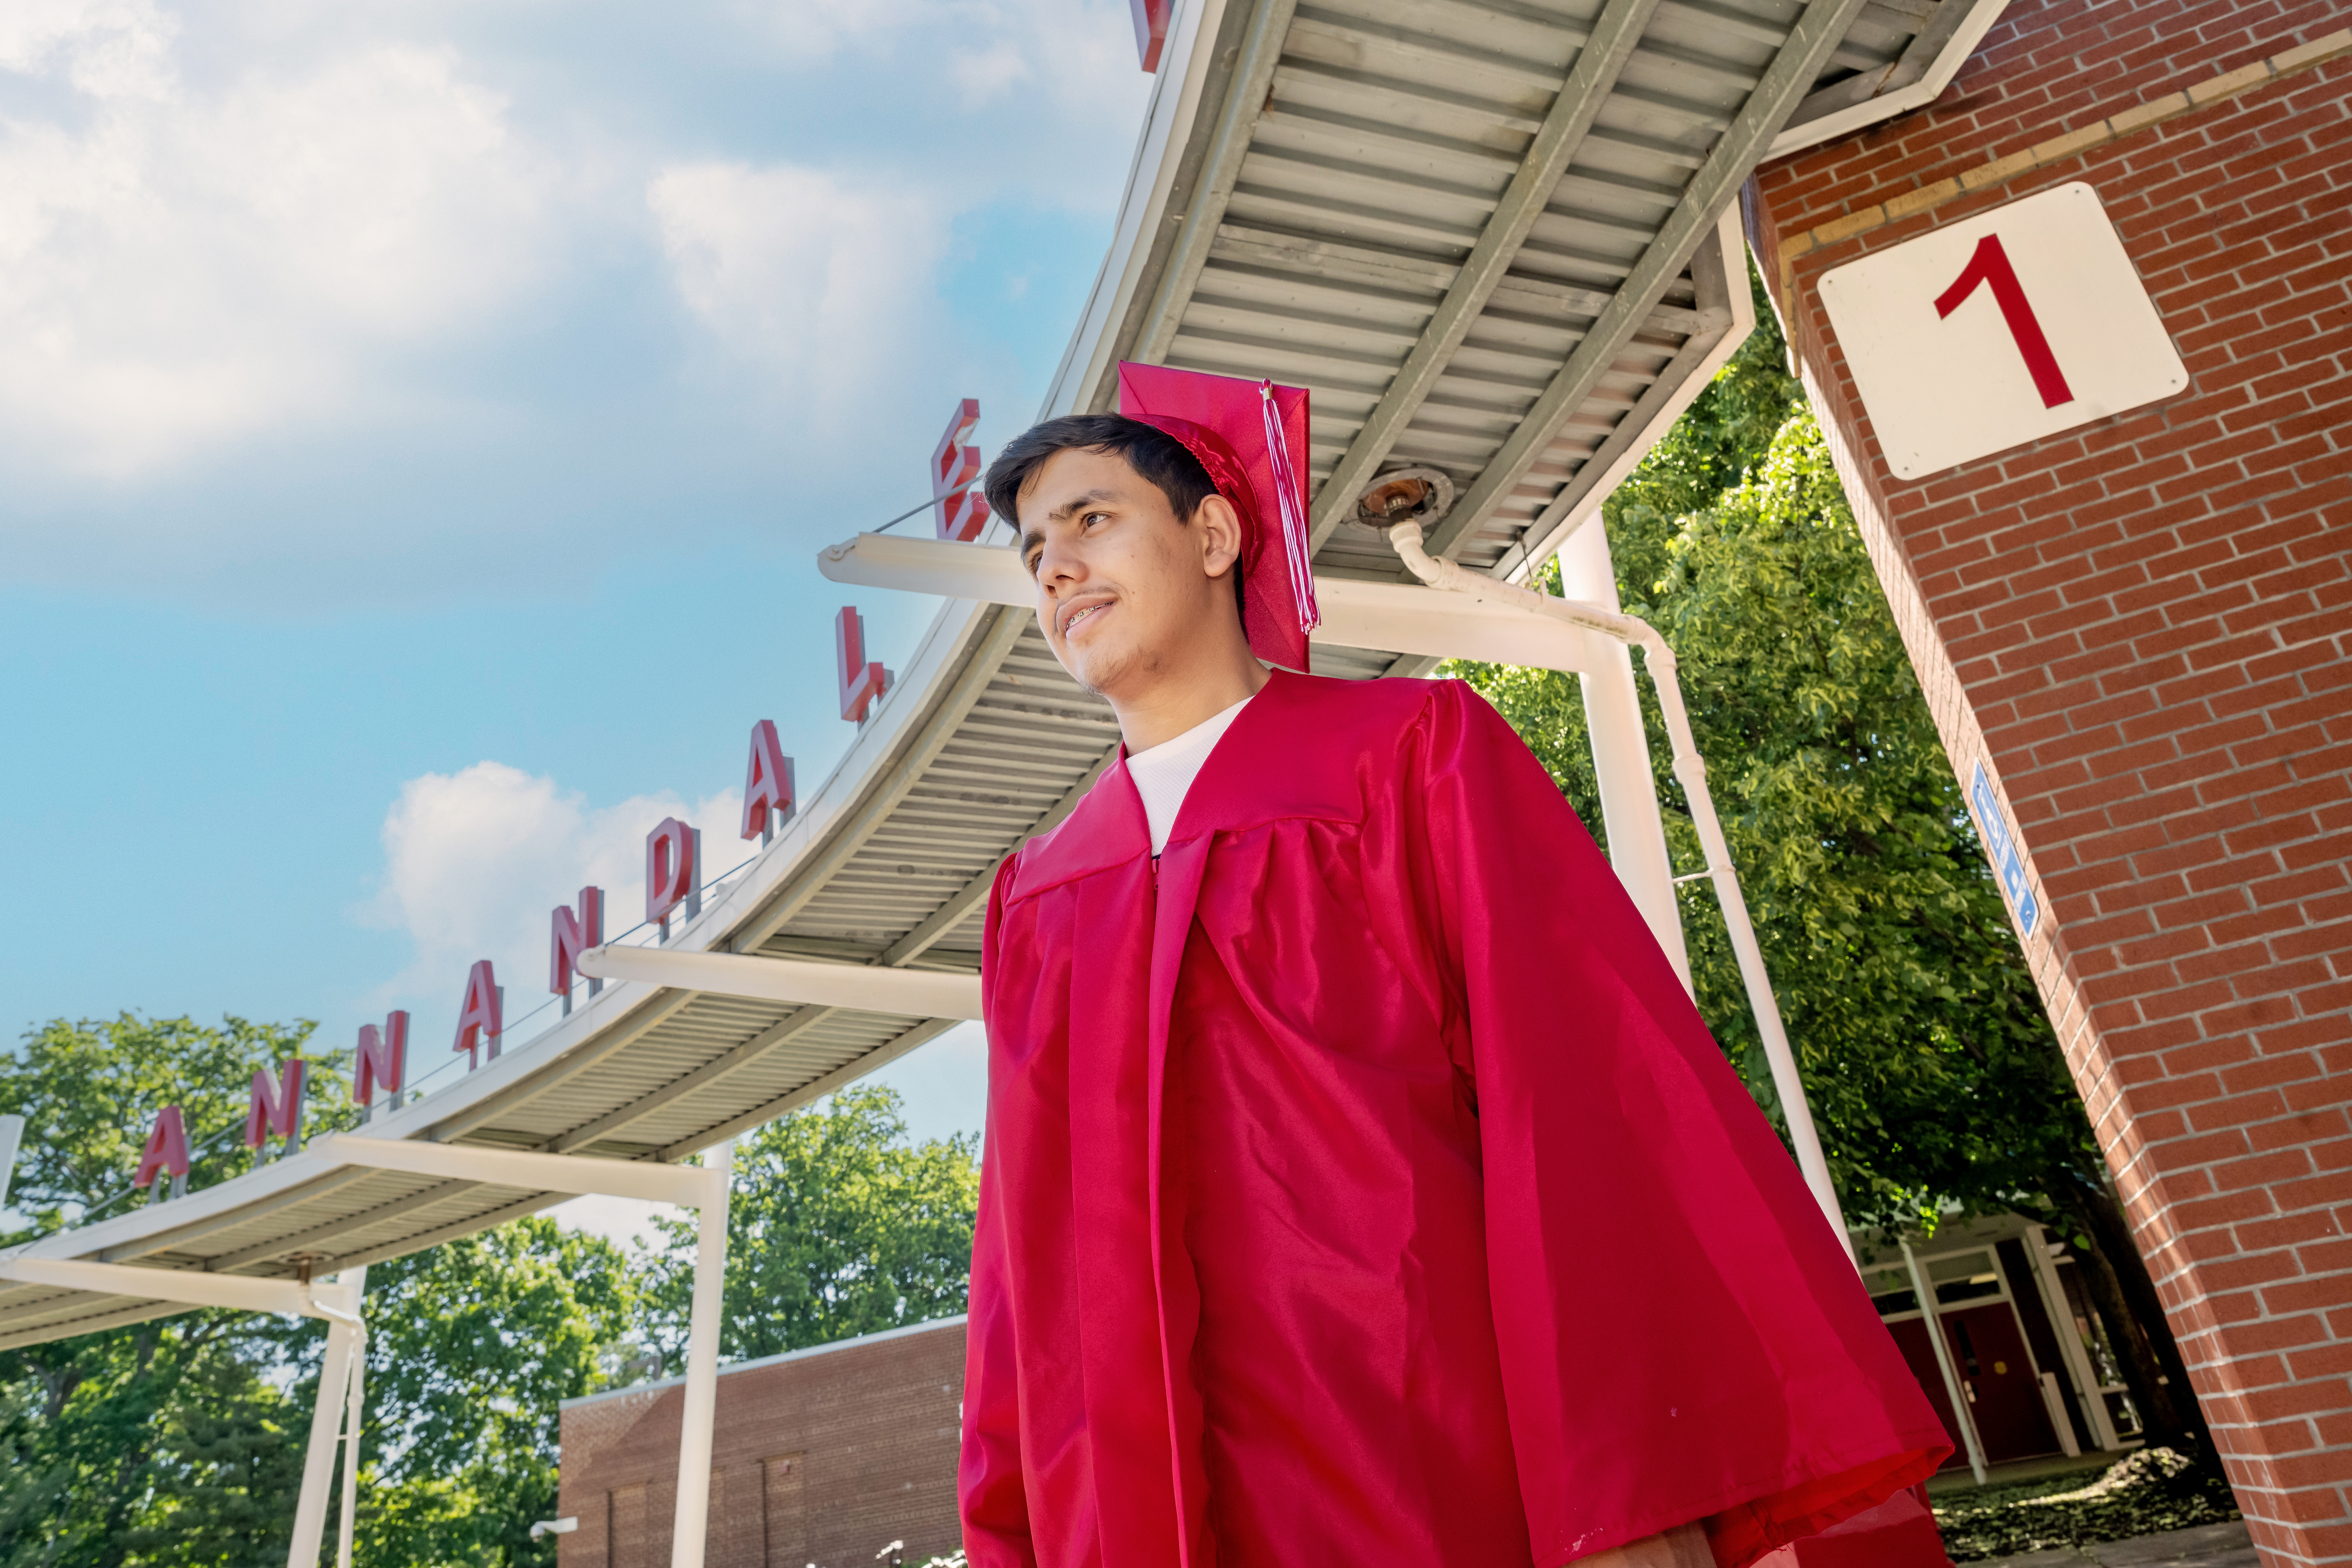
{"x":1911,"y":1339}
{"x":1989,"y":1352}
{"x":2004,"y":1395}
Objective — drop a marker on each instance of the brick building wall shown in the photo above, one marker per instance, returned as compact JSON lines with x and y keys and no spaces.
{"x":2139,"y":627}
{"x":822,"y":1456}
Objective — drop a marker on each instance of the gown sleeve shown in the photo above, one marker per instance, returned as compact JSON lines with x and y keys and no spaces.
{"x":991,"y":1492}
{"x":1682,"y":1336}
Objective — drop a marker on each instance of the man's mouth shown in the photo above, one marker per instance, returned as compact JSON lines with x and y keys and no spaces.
{"x":1071,"y":623}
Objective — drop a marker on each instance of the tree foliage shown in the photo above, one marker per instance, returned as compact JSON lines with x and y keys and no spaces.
{"x":838,"y":1226}
{"x":159,"y":1442}
{"x":471,"y":1346}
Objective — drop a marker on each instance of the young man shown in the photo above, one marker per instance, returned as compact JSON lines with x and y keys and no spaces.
{"x":1362,"y":1188}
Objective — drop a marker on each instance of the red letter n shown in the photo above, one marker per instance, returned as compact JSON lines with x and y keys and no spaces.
{"x":571,"y":935}
{"x":381,"y":1062}
{"x":275,"y":1107}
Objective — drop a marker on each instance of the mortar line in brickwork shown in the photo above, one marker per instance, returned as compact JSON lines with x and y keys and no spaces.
{"x":2116,"y":127}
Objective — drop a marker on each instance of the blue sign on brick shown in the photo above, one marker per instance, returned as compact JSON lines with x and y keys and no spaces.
{"x":2007,"y":864}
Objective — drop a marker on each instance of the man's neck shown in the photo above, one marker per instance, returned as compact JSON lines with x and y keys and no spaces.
{"x":1169,"y":707}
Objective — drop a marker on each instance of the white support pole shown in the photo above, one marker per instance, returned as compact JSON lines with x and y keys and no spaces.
{"x":11,"y":1135}
{"x":1958,"y":1395}
{"x":1620,"y":754}
{"x":319,"y":1463}
{"x":2077,"y":1355}
{"x":353,"y":1411}
{"x":691,"y":1531}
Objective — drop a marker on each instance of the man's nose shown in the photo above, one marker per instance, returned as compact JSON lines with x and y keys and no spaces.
{"x":1058,"y":565}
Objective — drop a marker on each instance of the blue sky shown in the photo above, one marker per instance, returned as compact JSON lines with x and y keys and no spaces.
{"x":417,"y":421}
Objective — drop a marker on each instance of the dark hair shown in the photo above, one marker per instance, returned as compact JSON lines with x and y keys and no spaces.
{"x":1151,"y":451}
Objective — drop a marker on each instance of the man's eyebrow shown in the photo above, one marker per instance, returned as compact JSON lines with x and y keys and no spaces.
{"x":1070,"y":508}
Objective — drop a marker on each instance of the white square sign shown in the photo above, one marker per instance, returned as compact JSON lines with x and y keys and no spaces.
{"x":1998,"y":331}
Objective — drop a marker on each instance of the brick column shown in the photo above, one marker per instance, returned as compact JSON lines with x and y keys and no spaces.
{"x":2139,"y":628}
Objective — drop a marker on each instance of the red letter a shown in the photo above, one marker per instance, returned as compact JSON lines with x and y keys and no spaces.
{"x":477,"y":1015}
{"x":167,"y":1147}
{"x":767,"y":782}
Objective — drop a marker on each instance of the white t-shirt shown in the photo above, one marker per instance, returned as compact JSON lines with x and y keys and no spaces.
{"x":1163,"y":775}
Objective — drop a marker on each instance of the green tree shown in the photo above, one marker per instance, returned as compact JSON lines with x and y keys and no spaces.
{"x":180,"y":1442}
{"x":1928,"y":1060}
{"x":838,"y":1226}
{"x":108,"y":1439}
{"x":471,"y":1346}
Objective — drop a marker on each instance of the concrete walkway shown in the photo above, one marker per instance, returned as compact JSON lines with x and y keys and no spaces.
{"x":2206,"y":1546}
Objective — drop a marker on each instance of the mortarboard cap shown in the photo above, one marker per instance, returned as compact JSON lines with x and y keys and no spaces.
{"x":1251,"y":437}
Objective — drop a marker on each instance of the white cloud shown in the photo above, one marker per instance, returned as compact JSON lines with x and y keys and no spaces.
{"x":306,"y":303}
{"x":989,"y":74}
{"x":628,"y":1221}
{"x":473,"y":862}
{"x":111,"y":48}
{"x":821,"y":280}
{"x":179,"y":267}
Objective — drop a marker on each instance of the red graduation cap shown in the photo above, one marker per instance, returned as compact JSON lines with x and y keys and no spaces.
{"x":1250,"y":435}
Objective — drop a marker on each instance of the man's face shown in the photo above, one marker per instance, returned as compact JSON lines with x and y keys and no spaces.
{"x":1125,"y":591}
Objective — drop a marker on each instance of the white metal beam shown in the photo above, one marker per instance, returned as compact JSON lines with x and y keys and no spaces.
{"x":705,"y":1189}
{"x":690,"y":1530}
{"x":518,"y":1168}
{"x":346,"y":1344}
{"x":1396,"y":617}
{"x":911,"y":993}
{"x":1959,"y":27}
{"x":187,"y":1285}
{"x":1635,"y":828}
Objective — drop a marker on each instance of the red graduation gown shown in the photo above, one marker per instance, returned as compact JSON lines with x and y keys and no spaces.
{"x":1361,"y":1187}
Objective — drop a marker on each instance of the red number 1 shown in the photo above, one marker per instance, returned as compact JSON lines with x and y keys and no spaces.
{"x":1990,"y":266}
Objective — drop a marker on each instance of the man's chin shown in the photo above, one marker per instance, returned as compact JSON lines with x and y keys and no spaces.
{"x":1098,"y":670}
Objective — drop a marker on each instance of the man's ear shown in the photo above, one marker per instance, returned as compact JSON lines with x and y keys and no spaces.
{"x":1221,"y":535}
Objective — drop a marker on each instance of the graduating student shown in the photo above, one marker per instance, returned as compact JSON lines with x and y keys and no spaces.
{"x":1361,"y":1187}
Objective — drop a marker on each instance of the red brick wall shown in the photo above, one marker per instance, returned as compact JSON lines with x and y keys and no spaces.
{"x":822,"y":1457}
{"x":2140,"y":626}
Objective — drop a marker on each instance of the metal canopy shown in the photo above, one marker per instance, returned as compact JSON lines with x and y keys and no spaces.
{"x":1485,"y":236}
